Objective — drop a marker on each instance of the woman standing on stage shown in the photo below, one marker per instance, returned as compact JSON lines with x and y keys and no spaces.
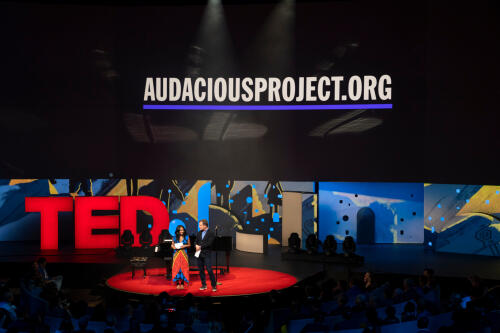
{"x":180,"y":263}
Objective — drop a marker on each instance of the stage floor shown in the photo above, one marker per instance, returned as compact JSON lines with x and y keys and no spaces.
{"x":239,"y":281}
{"x":412,"y":259}
{"x":409,"y":259}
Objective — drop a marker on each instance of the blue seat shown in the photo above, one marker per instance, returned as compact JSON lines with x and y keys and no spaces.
{"x":443,"y":319}
{"x":53,"y":322}
{"x":146,"y":327}
{"x":328,"y":307}
{"x":281,"y":316}
{"x":400,"y":308}
{"x":331,"y":321}
{"x":408,"y":326}
{"x":356,"y":330}
{"x":296,"y":325}
{"x":96,"y":326}
{"x":494,"y":318}
{"x":200,"y":327}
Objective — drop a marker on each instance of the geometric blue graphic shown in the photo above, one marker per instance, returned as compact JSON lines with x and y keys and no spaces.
{"x":276,"y":217}
{"x":397,"y":210}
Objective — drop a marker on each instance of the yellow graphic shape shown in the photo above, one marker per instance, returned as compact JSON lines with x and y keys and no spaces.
{"x":75,"y":194}
{"x":191,"y":206}
{"x":256,"y":204}
{"x":52,"y":189}
{"x":477,"y":203}
{"x":120,"y":189}
{"x":427,"y":184}
{"x":20,"y":181}
{"x":495,"y":224}
{"x":273,"y":241}
{"x":228,"y":213}
{"x":489,"y":217}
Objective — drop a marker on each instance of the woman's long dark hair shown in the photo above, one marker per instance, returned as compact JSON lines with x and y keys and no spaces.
{"x":178,"y":232}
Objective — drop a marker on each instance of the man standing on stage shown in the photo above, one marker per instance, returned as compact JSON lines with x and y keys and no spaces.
{"x":204,"y":240}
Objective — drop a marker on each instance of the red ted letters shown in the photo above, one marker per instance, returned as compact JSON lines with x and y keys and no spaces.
{"x":85,"y":223}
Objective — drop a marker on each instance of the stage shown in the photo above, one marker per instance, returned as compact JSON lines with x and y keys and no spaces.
{"x":96,"y":265}
{"x":239,"y":281}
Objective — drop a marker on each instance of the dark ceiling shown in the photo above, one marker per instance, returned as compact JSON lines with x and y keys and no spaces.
{"x":73,"y":78}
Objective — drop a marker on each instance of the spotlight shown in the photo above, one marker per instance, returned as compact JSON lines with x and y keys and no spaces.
{"x":127,"y":239}
{"x":146,"y":238}
{"x":312,"y":244}
{"x":349,"y":246}
{"x":330,"y":245}
{"x":294,"y":243}
{"x":126,"y":243}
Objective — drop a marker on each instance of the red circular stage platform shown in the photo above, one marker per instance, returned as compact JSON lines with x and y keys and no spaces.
{"x":240,"y":281}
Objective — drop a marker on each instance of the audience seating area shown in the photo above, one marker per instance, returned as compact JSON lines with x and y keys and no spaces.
{"x":365,"y":303}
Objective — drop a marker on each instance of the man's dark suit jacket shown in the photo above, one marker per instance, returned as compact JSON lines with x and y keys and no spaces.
{"x":205,"y":243}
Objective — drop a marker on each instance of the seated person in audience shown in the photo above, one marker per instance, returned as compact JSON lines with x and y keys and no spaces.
{"x":135,"y":326}
{"x":375,"y":300}
{"x":423,"y":286}
{"x":429,"y":275}
{"x":372,"y":321}
{"x":423,"y":325}
{"x":380,"y":296}
{"x":360,"y":304}
{"x":7,"y":304}
{"x":408,"y":312}
{"x":111,"y":323}
{"x":188,"y":327}
{"x":343,"y":307}
{"x":273,"y":298}
{"x":83,"y":322}
{"x":349,"y":323}
{"x":423,"y":308}
{"x":409,"y":291}
{"x":390,"y":318}
{"x":44,"y":276}
{"x":66,"y":326}
{"x":58,"y":305}
{"x":317,"y":326}
{"x":33,"y":281}
{"x":455,"y":302}
{"x":311,"y":292}
{"x":295,"y":312}
{"x":477,"y":288}
{"x":162,"y":325}
{"x":369,"y":284}
{"x":432,"y":283}
{"x":326,"y":293}
{"x":214,"y":326}
{"x":340,"y":288}
{"x":386,"y":295}
{"x":397,"y":296}
{"x":353,"y":291}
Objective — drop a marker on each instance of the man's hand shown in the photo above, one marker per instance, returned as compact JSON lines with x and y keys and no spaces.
{"x":198,"y":248}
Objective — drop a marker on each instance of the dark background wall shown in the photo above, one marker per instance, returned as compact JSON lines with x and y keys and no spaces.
{"x":73,"y":78}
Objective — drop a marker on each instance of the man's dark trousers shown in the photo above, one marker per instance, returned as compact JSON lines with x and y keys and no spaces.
{"x":206,"y":261}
